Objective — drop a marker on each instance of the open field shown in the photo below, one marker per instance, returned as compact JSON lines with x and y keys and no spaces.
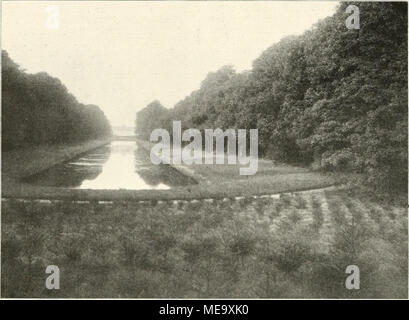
{"x":297,"y":245}
{"x":222,"y":242}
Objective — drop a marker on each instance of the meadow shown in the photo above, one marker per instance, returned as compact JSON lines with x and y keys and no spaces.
{"x":295,"y":245}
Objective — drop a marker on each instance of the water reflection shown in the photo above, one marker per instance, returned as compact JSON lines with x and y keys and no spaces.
{"x":120,"y":165}
{"x":72,"y":174}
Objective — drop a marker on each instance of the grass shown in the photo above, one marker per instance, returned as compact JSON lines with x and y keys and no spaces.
{"x":217,"y":240}
{"x":297,"y":246}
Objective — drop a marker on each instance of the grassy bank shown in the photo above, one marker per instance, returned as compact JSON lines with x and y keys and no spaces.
{"x":21,"y":163}
{"x":296,"y":246}
{"x":224,"y":180}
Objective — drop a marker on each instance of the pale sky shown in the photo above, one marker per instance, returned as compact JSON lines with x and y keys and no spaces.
{"x":123,"y":55}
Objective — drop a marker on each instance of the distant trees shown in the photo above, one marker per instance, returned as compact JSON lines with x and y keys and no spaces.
{"x":153,"y":115}
{"x":332,"y":97}
{"x":38,"y":109}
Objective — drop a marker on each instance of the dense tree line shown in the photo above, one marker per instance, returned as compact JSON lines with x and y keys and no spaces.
{"x":334,"y":98}
{"x":153,"y":116}
{"x":38,"y":109}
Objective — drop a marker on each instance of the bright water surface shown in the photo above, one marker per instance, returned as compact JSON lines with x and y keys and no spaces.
{"x":118,"y":165}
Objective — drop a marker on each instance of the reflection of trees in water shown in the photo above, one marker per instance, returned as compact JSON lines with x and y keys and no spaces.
{"x":157,"y":174}
{"x":71,"y":175}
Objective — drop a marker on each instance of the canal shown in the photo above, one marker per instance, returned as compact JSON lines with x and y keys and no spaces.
{"x":118,"y":165}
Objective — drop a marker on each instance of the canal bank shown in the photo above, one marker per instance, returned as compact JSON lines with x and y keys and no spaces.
{"x":20,"y":163}
{"x":214,"y":181}
{"x":23,"y":162}
{"x":120,"y":165}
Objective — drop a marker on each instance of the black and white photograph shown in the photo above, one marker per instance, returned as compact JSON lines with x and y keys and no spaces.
{"x":204,"y":150}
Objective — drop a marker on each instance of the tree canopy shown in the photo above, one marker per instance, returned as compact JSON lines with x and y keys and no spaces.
{"x":38,"y":109}
{"x":333,"y":98}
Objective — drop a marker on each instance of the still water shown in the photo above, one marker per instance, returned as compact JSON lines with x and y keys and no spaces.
{"x":118,"y":165}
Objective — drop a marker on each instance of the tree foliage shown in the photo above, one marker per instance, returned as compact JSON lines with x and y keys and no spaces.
{"x":153,"y":116}
{"x":334,"y":98}
{"x":38,"y":109}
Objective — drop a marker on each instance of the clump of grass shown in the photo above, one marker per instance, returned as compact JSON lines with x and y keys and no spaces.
{"x":72,"y":247}
{"x":290,"y":253}
{"x":243,"y":203}
{"x":242,"y":245}
{"x":357,"y":214}
{"x":375,"y":214}
{"x":300,"y":202}
{"x":285,"y":199}
{"x":260,"y":206}
{"x":317,"y":214}
{"x":278,"y":207}
{"x":193,"y":206}
{"x":295,"y":216}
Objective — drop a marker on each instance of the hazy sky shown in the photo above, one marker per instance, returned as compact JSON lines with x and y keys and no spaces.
{"x":123,"y":55}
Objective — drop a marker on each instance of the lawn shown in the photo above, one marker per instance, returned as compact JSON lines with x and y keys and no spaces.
{"x":294,"y":246}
